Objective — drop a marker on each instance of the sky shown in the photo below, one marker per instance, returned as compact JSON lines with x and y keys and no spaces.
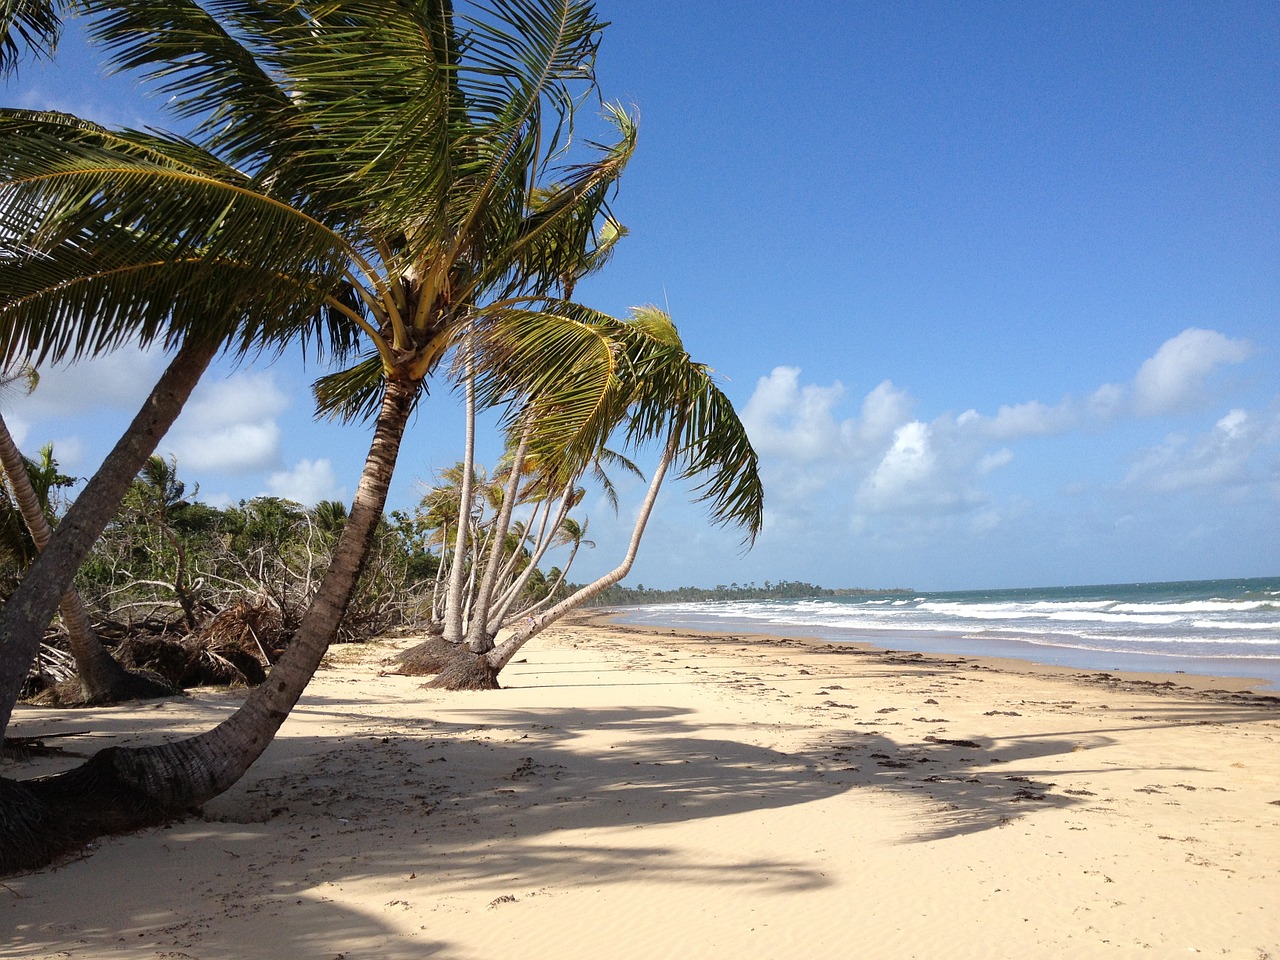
{"x":995,"y":288}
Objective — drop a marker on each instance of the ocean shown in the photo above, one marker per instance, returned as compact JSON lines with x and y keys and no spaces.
{"x":1228,"y":628}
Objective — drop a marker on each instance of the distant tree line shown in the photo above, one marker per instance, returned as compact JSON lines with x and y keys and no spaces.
{"x":620,"y":596}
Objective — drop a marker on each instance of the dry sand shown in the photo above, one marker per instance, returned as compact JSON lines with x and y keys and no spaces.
{"x":637,"y":795}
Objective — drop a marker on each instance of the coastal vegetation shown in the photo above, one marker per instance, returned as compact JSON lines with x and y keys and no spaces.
{"x":396,"y":189}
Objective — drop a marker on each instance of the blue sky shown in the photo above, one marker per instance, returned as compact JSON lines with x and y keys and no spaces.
{"x":995,"y":287}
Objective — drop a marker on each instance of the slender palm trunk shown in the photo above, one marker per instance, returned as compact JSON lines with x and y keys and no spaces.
{"x":479,"y":639}
{"x":467,"y":672}
{"x":32,"y":605}
{"x":437,"y":615}
{"x":453,"y":611}
{"x":127,"y":788}
{"x":551,"y":591}
{"x":533,"y":625}
{"x":546,"y":535}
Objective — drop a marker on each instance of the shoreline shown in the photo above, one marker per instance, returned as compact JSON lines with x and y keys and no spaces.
{"x":637,"y":792}
{"x":1022,"y":651}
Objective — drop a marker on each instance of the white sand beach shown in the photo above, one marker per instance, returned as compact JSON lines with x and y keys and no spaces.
{"x":635,"y":794}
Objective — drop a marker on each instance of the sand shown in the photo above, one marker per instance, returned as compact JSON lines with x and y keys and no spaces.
{"x":656,"y":794}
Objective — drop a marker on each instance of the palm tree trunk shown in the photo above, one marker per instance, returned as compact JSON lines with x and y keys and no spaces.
{"x":124,"y":788}
{"x":534,"y":625}
{"x":479,"y":639}
{"x":453,"y":611}
{"x":481,"y":672}
{"x":102,"y":679}
{"x":545,"y":537}
{"x":32,"y":605}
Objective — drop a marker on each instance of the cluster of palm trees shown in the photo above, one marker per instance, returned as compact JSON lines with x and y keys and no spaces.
{"x":394,"y":186}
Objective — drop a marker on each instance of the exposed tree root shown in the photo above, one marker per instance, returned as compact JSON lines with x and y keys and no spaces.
{"x":466,"y":671}
{"x":424,"y":659}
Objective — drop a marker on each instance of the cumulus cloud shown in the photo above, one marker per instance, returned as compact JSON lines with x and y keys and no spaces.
{"x":786,"y":419}
{"x":309,"y":482}
{"x":886,"y":469}
{"x":884,"y":410}
{"x":1223,"y":457}
{"x":230,"y":425}
{"x":929,"y":467}
{"x":1174,"y":380}
{"x":118,"y":380}
{"x":904,"y":474}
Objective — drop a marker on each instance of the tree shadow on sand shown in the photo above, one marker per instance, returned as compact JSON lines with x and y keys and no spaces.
{"x":432,"y":809}
{"x":518,"y":779}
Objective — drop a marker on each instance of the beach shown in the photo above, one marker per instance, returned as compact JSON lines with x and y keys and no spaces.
{"x":644,"y":792}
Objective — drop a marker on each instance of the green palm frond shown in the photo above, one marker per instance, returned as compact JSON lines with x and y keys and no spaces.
{"x":559,"y":365}
{"x":18,"y":378}
{"x":673,"y":394}
{"x":119,"y":236}
{"x":584,"y":375}
{"x":31,"y":25}
{"x":351,"y":394}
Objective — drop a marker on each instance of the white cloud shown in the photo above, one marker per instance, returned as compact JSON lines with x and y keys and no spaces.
{"x":891,"y":474}
{"x":1030,"y":420}
{"x":69,"y":452}
{"x":18,"y":428}
{"x":235,"y":448}
{"x":1221,"y":458}
{"x":904,"y":473}
{"x":229,"y":426}
{"x":995,"y":460}
{"x":1107,"y":402}
{"x":309,"y":482}
{"x":884,"y":410}
{"x":117,"y":380}
{"x":788,"y":420}
{"x":1174,"y":380}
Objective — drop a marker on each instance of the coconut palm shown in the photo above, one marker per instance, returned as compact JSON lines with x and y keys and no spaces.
{"x":113,"y":237}
{"x":656,"y":393}
{"x":102,"y":679}
{"x":405,"y":141}
{"x":155,"y":495}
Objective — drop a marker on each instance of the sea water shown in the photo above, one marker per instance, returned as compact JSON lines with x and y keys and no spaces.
{"x":1225,"y":628}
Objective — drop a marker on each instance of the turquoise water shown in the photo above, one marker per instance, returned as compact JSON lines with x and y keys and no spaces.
{"x":1211,"y":627}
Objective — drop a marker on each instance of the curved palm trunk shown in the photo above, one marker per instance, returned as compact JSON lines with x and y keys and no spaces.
{"x":469,"y":672}
{"x":551,"y":591}
{"x":126,"y":788}
{"x":102,"y":679}
{"x":29,"y":610}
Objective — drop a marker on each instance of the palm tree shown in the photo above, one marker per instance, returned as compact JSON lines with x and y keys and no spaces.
{"x":115,"y":237}
{"x":657,"y":393}
{"x":155,"y":494}
{"x":102,"y":679}
{"x":402,"y":143}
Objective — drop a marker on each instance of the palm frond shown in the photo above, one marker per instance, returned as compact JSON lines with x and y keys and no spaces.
{"x":117,"y":236}
{"x":31,"y":25}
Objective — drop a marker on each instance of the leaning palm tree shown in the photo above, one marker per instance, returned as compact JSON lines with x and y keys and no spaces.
{"x":410,"y":138}
{"x":101,"y":678}
{"x":656,"y":393}
{"x":112,"y":237}
{"x":416,"y":167}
